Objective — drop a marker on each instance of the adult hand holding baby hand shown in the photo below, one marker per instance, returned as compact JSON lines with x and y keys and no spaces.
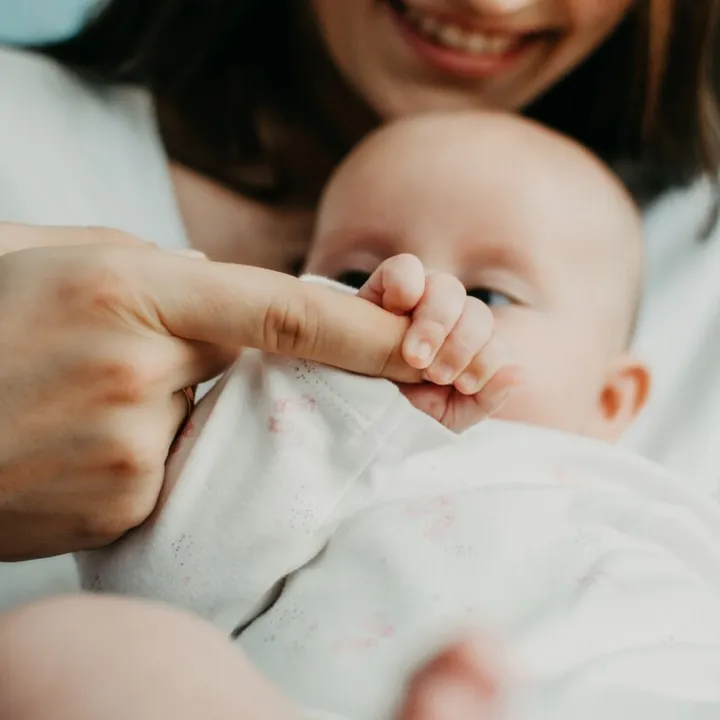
{"x":99,"y":334}
{"x":450,"y":340}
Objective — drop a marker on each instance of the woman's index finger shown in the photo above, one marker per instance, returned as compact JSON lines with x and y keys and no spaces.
{"x":241,"y":306}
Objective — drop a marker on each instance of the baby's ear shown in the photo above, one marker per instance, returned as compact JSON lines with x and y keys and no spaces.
{"x":622,"y":397}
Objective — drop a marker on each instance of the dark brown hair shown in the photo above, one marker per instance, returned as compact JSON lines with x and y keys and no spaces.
{"x":223,"y":70}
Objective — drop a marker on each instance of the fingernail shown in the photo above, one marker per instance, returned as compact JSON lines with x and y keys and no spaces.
{"x":420,"y":349}
{"x":442,"y":374}
{"x":468,"y":383}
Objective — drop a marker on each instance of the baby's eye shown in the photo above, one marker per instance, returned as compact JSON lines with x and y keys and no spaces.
{"x":491,"y":298}
{"x":354,"y":278}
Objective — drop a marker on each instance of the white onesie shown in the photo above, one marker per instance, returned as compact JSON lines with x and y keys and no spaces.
{"x":343,"y":537}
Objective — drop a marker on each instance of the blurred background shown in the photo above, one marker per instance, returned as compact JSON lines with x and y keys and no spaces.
{"x":31,"y":21}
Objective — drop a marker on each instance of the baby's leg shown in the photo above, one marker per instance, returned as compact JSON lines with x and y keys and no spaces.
{"x":88,"y":657}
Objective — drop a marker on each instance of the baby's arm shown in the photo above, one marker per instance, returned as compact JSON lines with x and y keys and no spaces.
{"x":252,"y":490}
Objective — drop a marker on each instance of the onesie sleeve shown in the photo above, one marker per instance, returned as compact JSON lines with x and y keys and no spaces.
{"x":271,"y":459}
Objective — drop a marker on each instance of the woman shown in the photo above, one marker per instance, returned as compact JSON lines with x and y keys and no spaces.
{"x":255,"y":103}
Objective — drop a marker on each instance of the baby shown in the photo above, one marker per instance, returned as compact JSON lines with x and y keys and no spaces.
{"x":342,"y":529}
{"x":532,"y":226}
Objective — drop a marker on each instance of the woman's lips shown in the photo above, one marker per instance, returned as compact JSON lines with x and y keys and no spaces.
{"x":458,"y":48}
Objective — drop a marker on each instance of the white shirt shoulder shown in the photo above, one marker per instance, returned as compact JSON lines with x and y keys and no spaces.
{"x":72,"y":153}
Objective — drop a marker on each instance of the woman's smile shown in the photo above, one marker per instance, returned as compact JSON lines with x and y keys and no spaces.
{"x":407,"y":56}
{"x":461,"y":45}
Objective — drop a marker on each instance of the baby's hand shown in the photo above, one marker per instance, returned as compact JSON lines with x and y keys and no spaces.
{"x":451,"y":338}
{"x":465,"y":682}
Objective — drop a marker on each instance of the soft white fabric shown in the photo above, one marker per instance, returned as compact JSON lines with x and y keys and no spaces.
{"x":679,"y":335}
{"x":70,"y":155}
{"x":74,"y":155}
{"x":344,"y":536}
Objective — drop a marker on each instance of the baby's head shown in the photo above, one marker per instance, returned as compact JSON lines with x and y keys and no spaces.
{"x":532,"y":224}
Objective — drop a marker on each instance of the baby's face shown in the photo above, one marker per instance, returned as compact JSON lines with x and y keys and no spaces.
{"x":545,"y":248}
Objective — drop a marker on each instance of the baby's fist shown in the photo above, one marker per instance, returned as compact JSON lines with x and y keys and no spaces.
{"x":397,"y":285}
{"x":451,"y":338}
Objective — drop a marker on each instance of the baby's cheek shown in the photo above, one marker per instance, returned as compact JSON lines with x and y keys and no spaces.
{"x":526,"y":405}
{"x":553,"y":395}
{"x":560,"y":368}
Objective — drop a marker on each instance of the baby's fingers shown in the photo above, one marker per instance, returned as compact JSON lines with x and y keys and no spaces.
{"x":469,"y":336}
{"x":498,"y":390}
{"x":397,"y":285}
{"x":434,"y":319}
{"x":493,"y":356}
{"x":490,"y":378}
{"x":465,"y":411}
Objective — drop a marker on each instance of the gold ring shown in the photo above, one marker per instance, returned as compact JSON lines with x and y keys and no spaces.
{"x":189,"y":393}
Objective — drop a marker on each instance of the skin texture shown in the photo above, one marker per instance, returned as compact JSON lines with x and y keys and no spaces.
{"x":364,"y":42}
{"x":90,"y":657}
{"x":556,"y":250}
{"x":464,"y":682}
{"x":87,"y":658}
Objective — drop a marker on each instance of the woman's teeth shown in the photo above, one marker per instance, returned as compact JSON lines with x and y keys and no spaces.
{"x":451,"y":36}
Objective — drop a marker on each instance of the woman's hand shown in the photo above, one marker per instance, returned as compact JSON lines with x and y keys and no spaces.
{"x":99,"y":333}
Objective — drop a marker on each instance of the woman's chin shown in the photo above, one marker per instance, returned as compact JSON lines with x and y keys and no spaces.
{"x":392,"y":100}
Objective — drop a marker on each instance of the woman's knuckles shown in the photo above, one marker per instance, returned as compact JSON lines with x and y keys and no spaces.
{"x":92,"y":290}
{"x":83,"y":286}
{"x":99,"y":286}
{"x":100,"y":235}
{"x":292,"y":325}
{"x":106,"y":522}
{"x":123,"y":379}
{"x":132,"y":446}
{"x":112,"y":519}
{"x":89,"y":383}
{"x":22,"y":237}
{"x":130,"y":475}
